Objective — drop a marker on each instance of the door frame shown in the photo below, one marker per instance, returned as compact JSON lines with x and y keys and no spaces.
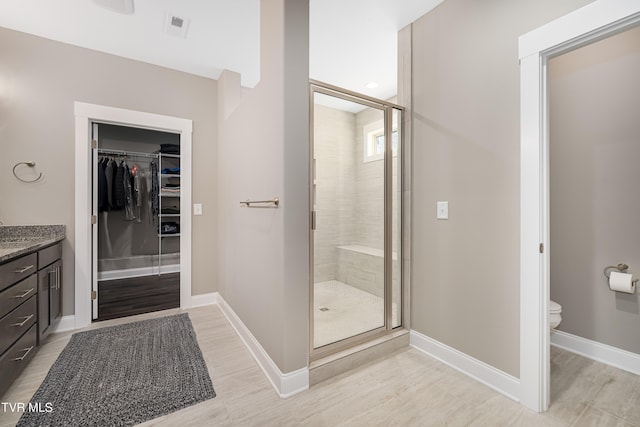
{"x":85,"y":115}
{"x":596,"y":21}
{"x":387,"y":108}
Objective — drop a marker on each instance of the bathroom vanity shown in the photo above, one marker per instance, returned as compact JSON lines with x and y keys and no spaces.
{"x":30,"y":293}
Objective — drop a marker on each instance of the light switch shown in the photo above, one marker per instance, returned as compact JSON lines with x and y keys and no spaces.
{"x":197,"y":208}
{"x":442,"y":210}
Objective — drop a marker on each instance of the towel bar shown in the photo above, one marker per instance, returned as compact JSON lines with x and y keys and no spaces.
{"x":274,"y":203}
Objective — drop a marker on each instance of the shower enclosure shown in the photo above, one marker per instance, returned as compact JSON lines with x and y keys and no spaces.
{"x":356,"y":228}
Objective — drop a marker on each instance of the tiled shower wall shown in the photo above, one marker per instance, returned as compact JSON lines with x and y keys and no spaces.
{"x":350,"y":202}
{"x":334,"y":135}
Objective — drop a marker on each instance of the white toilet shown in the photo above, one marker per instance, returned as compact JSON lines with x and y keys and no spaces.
{"x":555,"y":314}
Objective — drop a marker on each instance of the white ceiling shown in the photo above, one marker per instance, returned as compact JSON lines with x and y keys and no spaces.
{"x":352,"y":42}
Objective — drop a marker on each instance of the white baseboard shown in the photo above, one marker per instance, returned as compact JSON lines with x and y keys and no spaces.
{"x":486,"y":374}
{"x":599,"y":352}
{"x":286,"y":385}
{"x":66,"y":323}
{"x":137,"y":272}
{"x":204,"y":299}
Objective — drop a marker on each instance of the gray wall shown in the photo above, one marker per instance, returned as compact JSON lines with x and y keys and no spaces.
{"x":466,"y":136}
{"x":264,"y":153}
{"x":594,"y":95}
{"x":39,"y":81}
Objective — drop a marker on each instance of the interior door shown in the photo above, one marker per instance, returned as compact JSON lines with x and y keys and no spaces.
{"x":94,"y":220}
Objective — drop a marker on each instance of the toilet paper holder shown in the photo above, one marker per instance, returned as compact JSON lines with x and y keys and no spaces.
{"x":620,"y":267}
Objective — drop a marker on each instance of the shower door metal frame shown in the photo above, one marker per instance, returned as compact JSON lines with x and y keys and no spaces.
{"x":387,"y":108}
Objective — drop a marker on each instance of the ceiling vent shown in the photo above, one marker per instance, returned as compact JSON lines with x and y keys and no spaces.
{"x":176,"y":25}
{"x":120,"y":6}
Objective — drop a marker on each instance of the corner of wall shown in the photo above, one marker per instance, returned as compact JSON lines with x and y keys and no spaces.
{"x":229,"y":93}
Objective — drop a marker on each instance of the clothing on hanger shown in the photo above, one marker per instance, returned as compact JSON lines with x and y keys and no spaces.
{"x":129,"y":202}
{"x":118,"y":187}
{"x":103,"y":201}
{"x":155,"y":189}
{"x":110,"y":173}
{"x":138,"y":191}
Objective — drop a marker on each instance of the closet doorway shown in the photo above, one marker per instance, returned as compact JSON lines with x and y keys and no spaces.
{"x":87,"y":213}
{"x":136,"y":200}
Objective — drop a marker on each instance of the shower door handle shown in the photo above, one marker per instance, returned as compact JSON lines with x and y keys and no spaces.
{"x":313,"y":220}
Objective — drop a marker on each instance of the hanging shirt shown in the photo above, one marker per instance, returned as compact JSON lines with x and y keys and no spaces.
{"x":103,"y":201}
{"x":118,"y":187}
{"x":137,"y":189}
{"x":110,"y":172}
{"x":129,"y":213}
{"x":155,"y":190}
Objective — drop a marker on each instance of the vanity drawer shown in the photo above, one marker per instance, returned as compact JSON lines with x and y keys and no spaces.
{"x":16,"y":270}
{"x":16,"y":358}
{"x":15,"y":295}
{"x":16,"y":323}
{"x":48,"y":255}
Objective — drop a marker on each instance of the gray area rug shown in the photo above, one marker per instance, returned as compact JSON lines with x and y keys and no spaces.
{"x":124,"y":375}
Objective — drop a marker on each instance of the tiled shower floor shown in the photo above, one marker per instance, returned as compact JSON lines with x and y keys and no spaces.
{"x":351,"y":311}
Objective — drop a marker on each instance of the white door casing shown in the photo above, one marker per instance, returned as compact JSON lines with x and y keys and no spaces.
{"x":593,"y":22}
{"x":85,"y":114}
{"x":94,"y":224}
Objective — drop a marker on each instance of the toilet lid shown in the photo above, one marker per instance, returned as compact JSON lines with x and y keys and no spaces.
{"x":554,"y":307}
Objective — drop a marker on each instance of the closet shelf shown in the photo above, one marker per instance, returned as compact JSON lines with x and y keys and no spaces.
{"x":168,"y":194}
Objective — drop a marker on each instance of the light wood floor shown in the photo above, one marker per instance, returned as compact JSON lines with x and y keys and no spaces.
{"x":406,"y":389}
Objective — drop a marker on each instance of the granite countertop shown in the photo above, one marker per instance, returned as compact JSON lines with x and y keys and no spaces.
{"x":17,"y":240}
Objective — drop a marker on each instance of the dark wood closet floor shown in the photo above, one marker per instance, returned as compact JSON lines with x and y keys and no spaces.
{"x":137,"y":295}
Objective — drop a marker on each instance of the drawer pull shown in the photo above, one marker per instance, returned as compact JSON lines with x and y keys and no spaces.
{"x":23,"y":269}
{"x":24,"y":295}
{"x":26,"y":319}
{"x":27,"y":351}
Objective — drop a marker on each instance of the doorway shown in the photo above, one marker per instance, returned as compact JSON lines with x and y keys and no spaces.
{"x":356,"y":230}
{"x":593,"y":22}
{"x":85,"y":269}
{"x":136,"y":203}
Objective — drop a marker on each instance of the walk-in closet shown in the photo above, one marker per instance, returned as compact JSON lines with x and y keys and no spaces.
{"x":136,"y":201}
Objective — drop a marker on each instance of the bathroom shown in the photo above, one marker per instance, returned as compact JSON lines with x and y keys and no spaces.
{"x":594,"y":97}
{"x":466,"y":151}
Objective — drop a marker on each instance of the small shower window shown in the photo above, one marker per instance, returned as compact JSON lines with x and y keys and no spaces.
{"x":374,"y":142}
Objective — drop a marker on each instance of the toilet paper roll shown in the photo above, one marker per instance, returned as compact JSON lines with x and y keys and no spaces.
{"x":622,"y":282}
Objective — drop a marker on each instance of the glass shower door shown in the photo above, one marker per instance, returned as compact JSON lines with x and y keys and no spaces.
{"x":352,"y":199}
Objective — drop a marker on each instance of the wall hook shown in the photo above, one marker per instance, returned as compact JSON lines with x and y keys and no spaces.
{"x":31,"y":165}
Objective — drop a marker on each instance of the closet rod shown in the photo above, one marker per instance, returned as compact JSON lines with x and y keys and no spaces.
{"x":126,"y":153}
